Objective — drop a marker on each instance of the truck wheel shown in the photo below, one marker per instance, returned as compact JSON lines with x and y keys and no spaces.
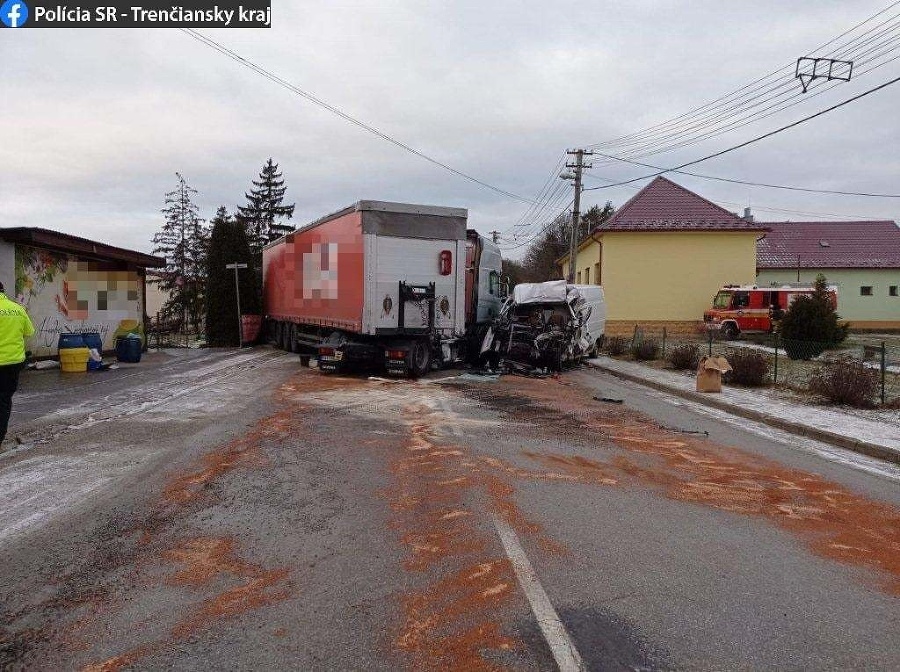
{"x":279,"y":335}
{"x":730,"y":331}
{"x":292,"y":338}
{"x":420,"y":358}
{"x":276,"y":334}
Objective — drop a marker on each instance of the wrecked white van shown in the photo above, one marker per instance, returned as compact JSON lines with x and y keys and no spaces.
{"x":548,"y":325}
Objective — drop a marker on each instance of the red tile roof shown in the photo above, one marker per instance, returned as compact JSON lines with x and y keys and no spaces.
{"x":830,"y":245}
{"x":665,"y":206}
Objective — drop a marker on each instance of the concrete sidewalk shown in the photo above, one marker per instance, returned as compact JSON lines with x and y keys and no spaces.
{"x":830,"y":425}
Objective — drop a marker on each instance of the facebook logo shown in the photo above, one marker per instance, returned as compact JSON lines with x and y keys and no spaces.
{"x":14,"y":13}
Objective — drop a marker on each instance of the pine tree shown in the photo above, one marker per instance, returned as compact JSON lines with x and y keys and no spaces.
{"x":539,"y":263}
{"x":182,"y":240}
{"x":811,"y":325}
{"x":264,"y":213}
{"x":594,"y":217}
{"x":228,"y":244}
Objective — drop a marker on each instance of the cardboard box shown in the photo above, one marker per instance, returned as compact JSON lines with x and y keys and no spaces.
{"x":709,"y":373}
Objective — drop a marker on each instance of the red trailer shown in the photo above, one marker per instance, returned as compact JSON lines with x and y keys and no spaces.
{"x":381,"y":283}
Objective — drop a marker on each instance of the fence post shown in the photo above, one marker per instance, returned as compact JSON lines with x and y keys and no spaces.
{"x":775,"y":377}
{"x":664,"y":343}
{"x":709,"y":333}
{"x":883,"y":370}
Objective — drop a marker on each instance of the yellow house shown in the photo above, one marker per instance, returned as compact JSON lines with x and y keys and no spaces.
{"x":662,"y":256}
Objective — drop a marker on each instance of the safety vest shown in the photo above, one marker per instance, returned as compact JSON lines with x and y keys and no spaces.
{"x":15,"y":327}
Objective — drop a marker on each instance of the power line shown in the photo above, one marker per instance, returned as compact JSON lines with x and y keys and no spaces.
{"x":533,"y":237}
{"x":343,"y":115}
{"x":745,"y":100}
{"x":786,"y":69}
{"x":705,"y":129}
{"x":747,"y":182}
{"x":541,"y":194}
{"x":719,"y":126}
{"x":758,"y":138}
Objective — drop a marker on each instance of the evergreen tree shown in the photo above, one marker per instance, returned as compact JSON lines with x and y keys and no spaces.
{"x":514,"y":271}
{"x":539,"y":263}
{"x":228,"y":245}
{"x":594,"y":217}
{"x":811,"y":324}
{"x":182,"y":240}
{"x":264,"y":213}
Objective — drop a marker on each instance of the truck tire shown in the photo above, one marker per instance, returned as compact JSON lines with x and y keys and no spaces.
{"x":292,"y":338}
{"x":730,"y":331}
{"x":419,"y":358}
{"x":279,"y":335}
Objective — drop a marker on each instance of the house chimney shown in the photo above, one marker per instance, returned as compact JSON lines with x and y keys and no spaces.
{"x":748,"y":216}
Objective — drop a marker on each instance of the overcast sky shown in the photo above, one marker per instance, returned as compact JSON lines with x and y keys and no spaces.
{"x":96,"y":122}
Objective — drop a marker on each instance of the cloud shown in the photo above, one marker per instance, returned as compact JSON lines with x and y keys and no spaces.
{"x":103,"y":118}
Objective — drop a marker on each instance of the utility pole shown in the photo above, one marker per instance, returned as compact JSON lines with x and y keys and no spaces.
{"x":579,"y":165}
{"x":237,"y":294}
{"x":495,"y":236}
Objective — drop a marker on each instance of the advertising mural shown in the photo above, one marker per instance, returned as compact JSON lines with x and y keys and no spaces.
{"x":63,"y":294}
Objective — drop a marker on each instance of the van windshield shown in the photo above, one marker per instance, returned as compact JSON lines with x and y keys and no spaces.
{"x":722,"y":300}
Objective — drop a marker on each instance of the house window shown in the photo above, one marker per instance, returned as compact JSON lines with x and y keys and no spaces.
{"x":587,"y":275}
{"x":578,"y":278}
{"x":892,"y":290}
{"x":865,"y":290}
{"x":597,"y":274}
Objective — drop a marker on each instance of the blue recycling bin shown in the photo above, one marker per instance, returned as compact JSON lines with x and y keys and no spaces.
{"x":128,"y":348}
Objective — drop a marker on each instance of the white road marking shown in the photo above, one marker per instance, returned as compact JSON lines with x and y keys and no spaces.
{"x":558,"y":639}
{"x":561,"y":645}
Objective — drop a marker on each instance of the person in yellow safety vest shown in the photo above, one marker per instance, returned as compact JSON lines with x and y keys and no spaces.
{"x":15,"y":327}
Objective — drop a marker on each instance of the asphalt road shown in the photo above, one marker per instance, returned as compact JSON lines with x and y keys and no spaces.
{"x":233,"y":510}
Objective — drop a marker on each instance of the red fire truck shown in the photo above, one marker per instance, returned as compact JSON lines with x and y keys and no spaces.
{"x":740,"y":308}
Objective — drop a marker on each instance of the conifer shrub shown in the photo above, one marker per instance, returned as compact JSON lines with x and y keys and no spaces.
{"x":846,"y":381}
{"x":228,"y":244}
{"x":684,"y":356}
{"x":645,"y":349}
{"x":749,"y":368}
{"x":617,"y":345}
{"x":811,"y":324}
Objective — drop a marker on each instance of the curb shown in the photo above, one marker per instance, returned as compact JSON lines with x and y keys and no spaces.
{"x":863,"y":447}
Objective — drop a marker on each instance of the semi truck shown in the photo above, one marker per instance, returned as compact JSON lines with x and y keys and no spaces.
{"x":395,"y":285}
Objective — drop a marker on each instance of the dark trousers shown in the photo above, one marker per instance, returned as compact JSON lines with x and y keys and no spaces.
{"x":9,"y":382}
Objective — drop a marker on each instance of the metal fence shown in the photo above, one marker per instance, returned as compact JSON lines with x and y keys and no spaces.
{"x":791,"y":364}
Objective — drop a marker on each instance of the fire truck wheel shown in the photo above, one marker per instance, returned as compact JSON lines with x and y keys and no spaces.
{"x":292,"y":338}
{"x":730,"y":331}
{"x":420,"y":358}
